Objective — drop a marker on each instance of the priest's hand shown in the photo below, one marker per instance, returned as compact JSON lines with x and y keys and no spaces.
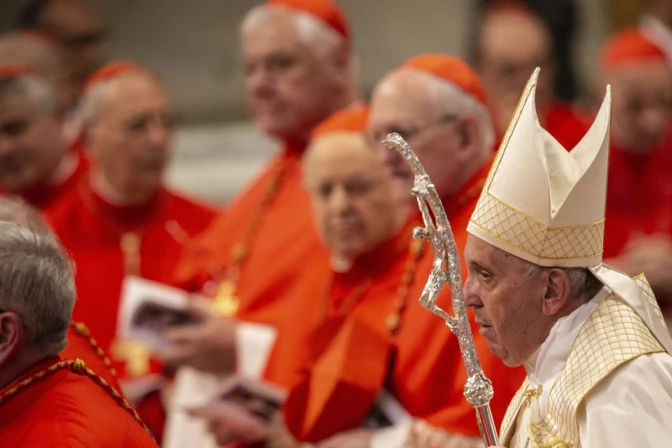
{"x":356,"y":438}
{"x":208,"y":344}
{"x":423,"y":435}
{"x":230,"y":423}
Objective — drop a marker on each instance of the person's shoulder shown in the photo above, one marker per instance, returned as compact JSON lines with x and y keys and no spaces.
{"x":648,"y":375}
{"x":92,"y":414}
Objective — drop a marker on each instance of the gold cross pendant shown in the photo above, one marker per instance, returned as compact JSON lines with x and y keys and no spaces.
{"x":226,"y":303}
{"x":130,"y":247}
{"x":134,"y":354}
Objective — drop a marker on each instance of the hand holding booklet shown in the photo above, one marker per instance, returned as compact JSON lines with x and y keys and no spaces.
{"x":148,"y":309}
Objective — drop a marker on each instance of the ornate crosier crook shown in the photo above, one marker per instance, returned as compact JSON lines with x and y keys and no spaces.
{"x":446,"y":269}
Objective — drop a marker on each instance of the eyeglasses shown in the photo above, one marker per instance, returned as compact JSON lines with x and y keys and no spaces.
{"x":408,"y":132}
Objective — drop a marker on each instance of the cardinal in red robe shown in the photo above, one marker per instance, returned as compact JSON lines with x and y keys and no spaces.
{"x":374,"y":350}
{"x":255,"y":249}
{"x":121,"y":220}
{"x":505,"y":67}
{"x":638,"y":229}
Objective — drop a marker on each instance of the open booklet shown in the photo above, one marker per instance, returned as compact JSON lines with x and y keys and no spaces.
{"x":148,"y":309}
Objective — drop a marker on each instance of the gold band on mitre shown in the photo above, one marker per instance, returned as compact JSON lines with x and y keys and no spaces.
{"x":541,"y":202}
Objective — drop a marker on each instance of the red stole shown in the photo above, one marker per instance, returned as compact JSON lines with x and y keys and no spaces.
{"x":351,"y":348}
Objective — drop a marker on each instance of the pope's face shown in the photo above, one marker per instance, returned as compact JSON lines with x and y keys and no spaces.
{"x":289,"y":83}
{"x":31,"y":143}
{"x":355,"y":208}
{"x":507,"y":304}
{"x":131,"y":135}
{"x":641,"y":105}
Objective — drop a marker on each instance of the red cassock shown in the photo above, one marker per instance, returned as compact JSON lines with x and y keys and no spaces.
{"x":59,"y":404}
{"x":46,"y":196}
{"x":639,"y":197}
{"x":81,"y":345}
{"x":260,"y":243}
{"x":108,"y":242}
{"x":352,"y":354}
{"x":563,"y":121}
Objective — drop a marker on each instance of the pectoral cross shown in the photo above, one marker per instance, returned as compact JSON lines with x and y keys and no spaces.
{"x":134,"y":354}
{"x":226,"y":303}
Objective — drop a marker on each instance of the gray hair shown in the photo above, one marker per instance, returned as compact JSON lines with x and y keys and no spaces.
{"x":451,"y":99}
{"x":36,"y":282}
{"x":38,"y":92}
{"x":317,"y":35}
{"x":14,"y":209}
{"x":583,"y":284}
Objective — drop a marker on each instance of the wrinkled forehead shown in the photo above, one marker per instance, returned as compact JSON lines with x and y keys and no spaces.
{"x":642,"y":77}
{"x":271,"y":31}
{"x":499,"y":31}
{"x":341,"y":154}
{"x":131,"y":91}
{"x":485,"y":254}
{"x":403,"y":97}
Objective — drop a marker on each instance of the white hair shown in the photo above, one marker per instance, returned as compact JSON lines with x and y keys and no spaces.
{"x":450,"y":98}
{"x":313,"y":32}
{"x":583,"y":284}
{"x":37,"y":283}
{"x":38,"y":92}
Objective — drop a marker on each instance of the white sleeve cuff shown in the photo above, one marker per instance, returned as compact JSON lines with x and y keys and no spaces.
{"x":393,"y":436}
{"x":254,"y":343}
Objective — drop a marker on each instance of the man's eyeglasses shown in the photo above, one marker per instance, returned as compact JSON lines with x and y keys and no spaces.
{"x":408,"y":132}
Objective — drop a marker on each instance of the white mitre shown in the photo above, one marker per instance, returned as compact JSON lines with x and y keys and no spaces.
{"x":546,"y":205}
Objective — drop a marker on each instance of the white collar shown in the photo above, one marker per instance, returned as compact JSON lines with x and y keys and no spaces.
{"x":549,"y":359}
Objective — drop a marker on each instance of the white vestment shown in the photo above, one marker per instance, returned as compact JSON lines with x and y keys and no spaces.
{"x":630,"y":408}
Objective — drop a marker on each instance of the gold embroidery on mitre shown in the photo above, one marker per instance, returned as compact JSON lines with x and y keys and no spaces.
{"x":516,"y":228}
{"x":613,"y":335}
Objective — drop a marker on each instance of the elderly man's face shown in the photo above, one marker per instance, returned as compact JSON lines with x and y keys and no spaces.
{"x":354,"y":206}
{"x":31,"y":143}
{"x":641,"y":105}
{"x":512,"y":45}
{"x":80,"y":30}
{"x":288,"y":83}
{"x":507,"y":304}
{"x":131,"y":135}
{"x":403,"y":103}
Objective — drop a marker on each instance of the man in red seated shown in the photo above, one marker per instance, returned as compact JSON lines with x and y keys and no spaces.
{"x":638,"y":233}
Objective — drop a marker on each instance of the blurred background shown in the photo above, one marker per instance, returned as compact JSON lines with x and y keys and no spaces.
{"x":193,"y":45}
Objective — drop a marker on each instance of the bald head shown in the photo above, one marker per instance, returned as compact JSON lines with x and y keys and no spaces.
{"x":450,"y":131}
{"x":353,"y":202}
{"x":511,"y":43}
{"x":42,"y":57}
{"x":128,"y":129}
{"x":77,"y":27}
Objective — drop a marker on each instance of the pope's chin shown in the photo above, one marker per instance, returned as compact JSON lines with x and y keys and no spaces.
{"x":501,"y":352}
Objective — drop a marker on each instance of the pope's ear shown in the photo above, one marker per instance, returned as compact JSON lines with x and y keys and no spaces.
{"x":557,"y":291}
{"x":11,"y":336}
